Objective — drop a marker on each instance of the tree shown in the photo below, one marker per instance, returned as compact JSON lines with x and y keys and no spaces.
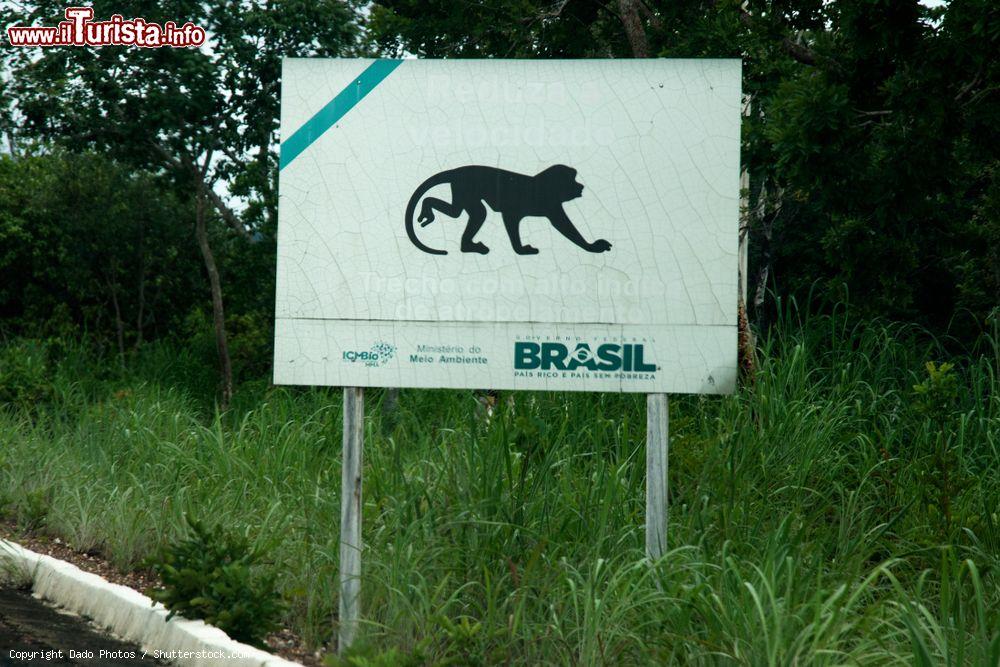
{"x":872,"y":142}
{"x":206,"y":117}
{"x":86,"y":243}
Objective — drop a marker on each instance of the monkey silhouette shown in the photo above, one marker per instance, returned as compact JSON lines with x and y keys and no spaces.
{"x":515,"y":196}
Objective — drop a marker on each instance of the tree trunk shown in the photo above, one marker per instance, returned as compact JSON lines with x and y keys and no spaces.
{"x":12,"y":145}
{"x":634,"y":30}
{"x":747,"y":344}
{"x":119,"y":325}
{"x":218,"y":314}
{"x":766,"y":219}
{"x":142,"y":286}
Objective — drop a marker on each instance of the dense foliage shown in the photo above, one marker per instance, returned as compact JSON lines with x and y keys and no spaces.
{"x":871,"y":143}
{"x":86,"y":243}
{"x":871,"y":136}
{"x":202,"y":121}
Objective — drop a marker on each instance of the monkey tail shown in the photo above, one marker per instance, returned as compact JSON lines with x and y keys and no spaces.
{"x":411,"y":208}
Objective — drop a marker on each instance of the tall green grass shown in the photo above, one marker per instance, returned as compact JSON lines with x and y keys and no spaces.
{"x":828,"y":513}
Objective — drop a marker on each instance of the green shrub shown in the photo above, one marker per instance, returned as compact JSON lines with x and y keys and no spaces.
{"x":250,"y":344}
{"x":935,"y":398}
{"x":24,"y":374}
{"x":34,"y":508}
{"x":941,"y":476}
{"x":210,"y":575}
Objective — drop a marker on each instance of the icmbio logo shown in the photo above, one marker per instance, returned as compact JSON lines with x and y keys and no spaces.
{"x":609,"y":357}
{"x":379,"y":355}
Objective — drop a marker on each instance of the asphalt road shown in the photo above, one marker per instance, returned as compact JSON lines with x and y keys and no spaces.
{"x":32,"y":633}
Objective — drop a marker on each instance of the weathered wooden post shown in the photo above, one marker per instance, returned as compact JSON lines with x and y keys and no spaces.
{"x":350,"y":515}
{"x":657,"y":450}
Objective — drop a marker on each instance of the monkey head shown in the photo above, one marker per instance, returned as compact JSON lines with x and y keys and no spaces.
{"x":560,"y":181}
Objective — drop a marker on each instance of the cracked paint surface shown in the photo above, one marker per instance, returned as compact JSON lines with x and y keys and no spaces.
{"x":655,"y":144}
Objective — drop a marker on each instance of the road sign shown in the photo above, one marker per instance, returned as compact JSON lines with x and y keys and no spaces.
{"x":510,"y":224}
{"x":514,"y":224}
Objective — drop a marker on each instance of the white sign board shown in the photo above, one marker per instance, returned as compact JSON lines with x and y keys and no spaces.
{"x":509,"y":224}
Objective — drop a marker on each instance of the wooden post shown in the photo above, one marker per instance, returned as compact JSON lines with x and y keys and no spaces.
{"x":350,"y":515}
{"x":657,"y":432}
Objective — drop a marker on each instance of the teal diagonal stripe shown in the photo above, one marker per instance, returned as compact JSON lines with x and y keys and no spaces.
{"x":335,"y":109}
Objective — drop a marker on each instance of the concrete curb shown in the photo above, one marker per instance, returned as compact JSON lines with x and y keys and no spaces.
{"x":132,"y":616}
